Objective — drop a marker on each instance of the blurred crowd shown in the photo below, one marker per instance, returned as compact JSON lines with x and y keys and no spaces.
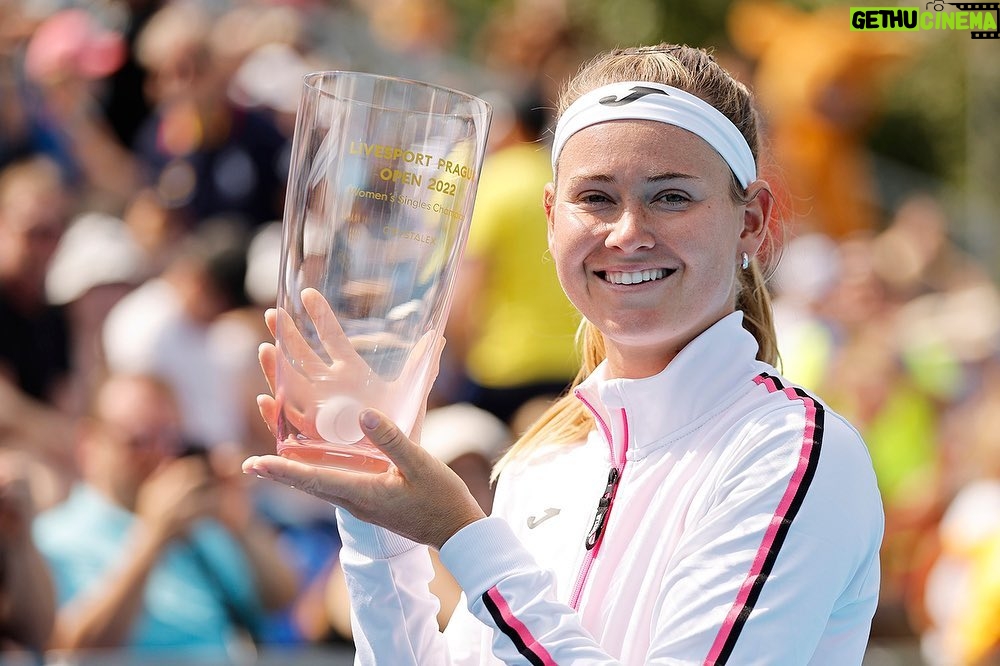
{"x":143,"y":157}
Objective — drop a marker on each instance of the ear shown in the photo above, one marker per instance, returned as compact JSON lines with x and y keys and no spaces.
{"x":549,"y":205}
{"x":757,"y":214}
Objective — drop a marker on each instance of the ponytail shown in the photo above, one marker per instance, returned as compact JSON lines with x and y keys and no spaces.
{"x":567,"y":420}
{"x":754,"y":301}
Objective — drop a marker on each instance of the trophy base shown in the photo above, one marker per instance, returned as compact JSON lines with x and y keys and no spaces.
{"x":358,"y":457}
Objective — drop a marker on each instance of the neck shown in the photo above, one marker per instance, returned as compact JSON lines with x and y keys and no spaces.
{"x":115,"y":493}
{"x":637,"y":363}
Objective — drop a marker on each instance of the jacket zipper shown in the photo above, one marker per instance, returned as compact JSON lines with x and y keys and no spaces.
{"x":598,"y":527}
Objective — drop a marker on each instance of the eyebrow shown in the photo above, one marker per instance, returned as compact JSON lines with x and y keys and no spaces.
{"x":672,"y":175}
{"x":658,"y":178}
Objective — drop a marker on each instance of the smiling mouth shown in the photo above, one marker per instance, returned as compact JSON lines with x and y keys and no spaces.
{"x":634,"y":277}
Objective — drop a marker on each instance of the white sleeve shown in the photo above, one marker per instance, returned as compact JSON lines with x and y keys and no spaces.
{"x":393,"y":612}
{"x":781,"y":565}
{"x":507,"y":591}
{"x":394,"y":615}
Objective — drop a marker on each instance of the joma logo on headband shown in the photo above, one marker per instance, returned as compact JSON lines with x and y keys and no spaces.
{"x":638,"y":92}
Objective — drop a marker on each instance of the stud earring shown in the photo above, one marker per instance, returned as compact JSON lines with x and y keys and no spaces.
{"x":746,"y":261}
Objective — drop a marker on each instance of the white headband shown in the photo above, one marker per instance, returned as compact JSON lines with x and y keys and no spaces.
{"x":641,"y":100}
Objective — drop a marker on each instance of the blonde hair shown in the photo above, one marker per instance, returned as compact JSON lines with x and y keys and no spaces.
{"x":695,"y":71}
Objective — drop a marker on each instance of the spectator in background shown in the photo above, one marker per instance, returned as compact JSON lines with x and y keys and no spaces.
{"x":532,"y":40}
{"x":27,"y":598}
{"x":961,"y":604}
{"x":205,"y":155}
{"x":169,"y":327}
{"x":808,"y":273}
{"x":34,"y":208}
{"x":95,"y":265}
{"x":126,"y":104}
{"x":154,"y":550}
{"x":35,"y":336}
{"x":15,"y":138}
{"x":67,"y":61}
{"x":159,"y":231}
{"x":512,"y":328}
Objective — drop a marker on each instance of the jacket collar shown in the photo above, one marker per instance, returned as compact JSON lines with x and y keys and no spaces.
{"x":705,"y":376}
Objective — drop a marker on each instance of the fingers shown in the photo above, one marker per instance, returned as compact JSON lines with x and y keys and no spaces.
{"x":331,"y":334}
{"x":268,"y":409}
{"x":296,"y":346}
{"x":329,"y":485}
{"x":294,"y":385}
{"x":439,"y":345}
{"x":267,"y":354}
{"x":389,"y":439}
{"x":296,"y":418}
{"x":271,"y":320}
{"x":335,"y":342}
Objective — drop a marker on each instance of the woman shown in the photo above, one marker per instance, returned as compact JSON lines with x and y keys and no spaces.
{"x":683,"y":504}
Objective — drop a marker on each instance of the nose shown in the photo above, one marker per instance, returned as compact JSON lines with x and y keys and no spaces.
{"x":631,"y":231}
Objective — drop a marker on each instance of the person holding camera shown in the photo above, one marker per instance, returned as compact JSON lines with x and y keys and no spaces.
{"x":154,"y":551}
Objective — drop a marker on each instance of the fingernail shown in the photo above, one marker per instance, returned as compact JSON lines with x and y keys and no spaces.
{"x":369,"y":418}
{"x":251,"y":466}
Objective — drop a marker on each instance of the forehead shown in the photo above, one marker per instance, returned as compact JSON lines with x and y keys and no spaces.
{"x":28,"y":204}
{"x":131,"y":400}
{"x":640,"y":147}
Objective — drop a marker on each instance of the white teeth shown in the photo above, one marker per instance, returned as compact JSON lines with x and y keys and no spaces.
{"x":636,"y":277}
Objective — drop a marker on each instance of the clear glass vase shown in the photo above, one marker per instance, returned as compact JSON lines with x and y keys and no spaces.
{"x":380,"y":194}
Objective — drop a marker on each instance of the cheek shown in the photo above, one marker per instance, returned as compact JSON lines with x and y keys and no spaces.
{"x":569,"y":269}
{"x":569,"y":248}
{"x":561,"y":264}
{"x":571,"y":236}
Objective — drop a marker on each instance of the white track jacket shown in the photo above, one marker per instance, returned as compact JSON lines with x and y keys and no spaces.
{"x":715,"y":515}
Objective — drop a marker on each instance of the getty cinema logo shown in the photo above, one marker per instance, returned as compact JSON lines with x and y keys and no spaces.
{"x":980,"y":18}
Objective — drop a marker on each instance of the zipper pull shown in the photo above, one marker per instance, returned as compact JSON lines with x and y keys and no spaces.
{"x":601,"y":518}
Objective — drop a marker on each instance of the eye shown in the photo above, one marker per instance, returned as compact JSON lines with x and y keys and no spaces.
{"x":593,"y":198}
{"x":672,"y":198}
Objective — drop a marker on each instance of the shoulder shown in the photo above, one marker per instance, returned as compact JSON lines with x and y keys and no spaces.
{"x":776,"y":407}
{"x":84,"y":521}
{"x":781,"y":404}
{"x":830,"y":461}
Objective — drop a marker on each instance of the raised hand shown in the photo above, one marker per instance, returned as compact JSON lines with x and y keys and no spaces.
{"x":418,"y":497}
{"x":175,"y":496}
{"x":321,"y":398}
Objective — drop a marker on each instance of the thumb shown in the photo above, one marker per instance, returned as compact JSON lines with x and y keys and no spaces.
{"x":390,"y":440}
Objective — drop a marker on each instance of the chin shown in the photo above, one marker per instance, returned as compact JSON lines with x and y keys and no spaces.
{"x":646,"y":337}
